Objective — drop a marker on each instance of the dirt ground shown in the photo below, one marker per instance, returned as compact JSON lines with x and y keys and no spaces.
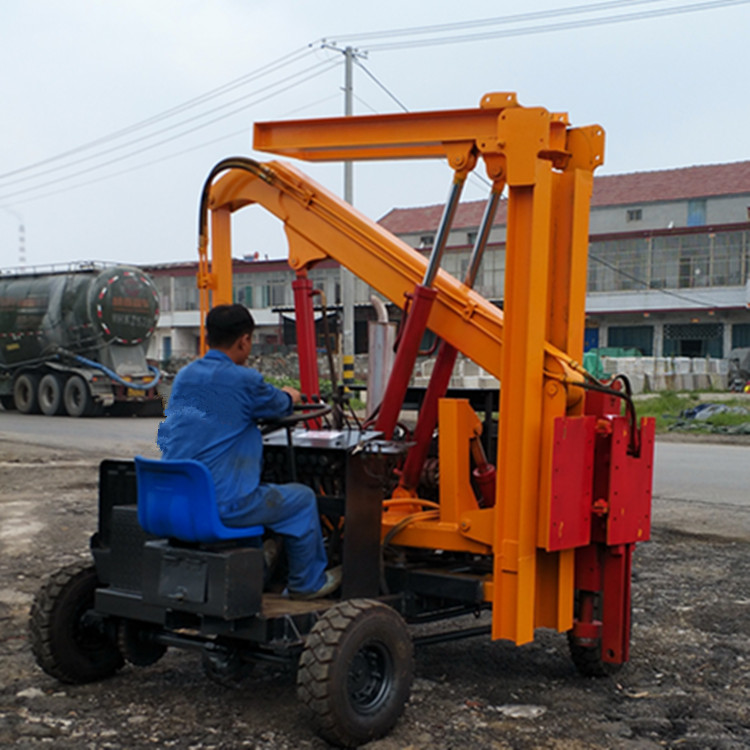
{"x":687,"y":685}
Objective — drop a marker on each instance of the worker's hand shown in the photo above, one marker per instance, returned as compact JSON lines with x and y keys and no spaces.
{"x":294,"y":393}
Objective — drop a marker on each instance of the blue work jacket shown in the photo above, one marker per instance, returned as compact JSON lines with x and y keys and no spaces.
{"x":211,"y":417}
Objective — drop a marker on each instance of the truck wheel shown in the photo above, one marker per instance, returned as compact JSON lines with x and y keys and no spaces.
{"x":356,"y":671}
{"x":25,"y":393}
{"x":50,"y":395}
{"x":67,"y":639}
{"x":77,"y":397}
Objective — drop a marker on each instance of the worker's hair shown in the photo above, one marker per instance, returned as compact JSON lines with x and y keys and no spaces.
{"x":226,"y":323}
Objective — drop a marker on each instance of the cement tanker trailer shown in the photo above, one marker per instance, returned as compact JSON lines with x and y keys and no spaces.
{"x":74,"y":341}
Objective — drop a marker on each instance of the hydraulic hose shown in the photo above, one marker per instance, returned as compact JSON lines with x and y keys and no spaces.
{"x":114,"y":376}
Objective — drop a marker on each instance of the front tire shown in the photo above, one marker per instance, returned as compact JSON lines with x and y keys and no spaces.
{"x":356,"y":671}
{"x":69,"y":642}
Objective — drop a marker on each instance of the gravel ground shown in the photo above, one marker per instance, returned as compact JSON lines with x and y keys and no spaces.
{"x":687,"y":685}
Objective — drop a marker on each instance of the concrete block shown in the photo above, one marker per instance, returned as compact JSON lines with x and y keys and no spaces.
{"x":684,"y":382}
{"x":611,"y":364}
{"x":699,"y":365}
{"x":469,"y":368}
{"x":489,"y":383}
{"x":425,"y":367}
{"x":649,"y":365}
{"x":471,"y":381}
{"x":682,"y":365}
{"x":656,"y":383}
{"x":701,"y":381}
{"x":663,"y":366}
{"x":637,"y":382}
{"x":718,"y":380}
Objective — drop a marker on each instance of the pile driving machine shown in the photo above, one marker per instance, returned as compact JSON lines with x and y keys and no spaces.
{"x":542,"y":538}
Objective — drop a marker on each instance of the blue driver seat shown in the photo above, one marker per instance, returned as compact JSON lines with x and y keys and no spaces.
{"x":177,"y":499}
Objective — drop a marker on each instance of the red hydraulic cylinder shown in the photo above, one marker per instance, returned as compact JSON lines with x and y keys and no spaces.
{"x":406,"y":356}
{"x":441,"y":375}
{"x":305,"y":325}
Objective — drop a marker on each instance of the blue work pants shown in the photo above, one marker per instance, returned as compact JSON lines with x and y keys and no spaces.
{"x":290,"y":510}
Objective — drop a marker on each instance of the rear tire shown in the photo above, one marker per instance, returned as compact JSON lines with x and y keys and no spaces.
{"x":25,"y":393}
{"x":67,"y":639}
{"x":50,"y":395}
{"x":356,"y":671}
{"x":77,"y":397}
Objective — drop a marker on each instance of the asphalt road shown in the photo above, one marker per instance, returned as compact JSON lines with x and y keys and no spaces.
{"x":699,"y":488}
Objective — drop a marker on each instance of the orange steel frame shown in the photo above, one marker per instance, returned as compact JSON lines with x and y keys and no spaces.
{"x":533,"y":347}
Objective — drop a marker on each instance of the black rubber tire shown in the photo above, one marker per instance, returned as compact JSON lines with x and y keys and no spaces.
{"x":50,"y":395}
{"x":66,"y":640}
{"x":8,"y":402}
{"x":26,"y":394}
{"x":77,"y":397}
{"x":356,"y":670}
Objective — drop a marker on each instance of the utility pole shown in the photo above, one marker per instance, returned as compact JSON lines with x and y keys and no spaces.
{"x":346,"y":276}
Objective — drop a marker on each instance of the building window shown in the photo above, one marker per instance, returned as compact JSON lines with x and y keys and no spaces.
{"x":244,"y":295}
{"x":634,"y":214}
{"x":696,"y":210}
{"x":632,"y":337}
{"x":471,"y":238}
{"x":740,"y":335}
{"x":694,"y":340}
{"x":426,"y":240}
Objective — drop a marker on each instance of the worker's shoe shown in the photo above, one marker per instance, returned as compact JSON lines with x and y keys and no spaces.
{"x":332,"y":582}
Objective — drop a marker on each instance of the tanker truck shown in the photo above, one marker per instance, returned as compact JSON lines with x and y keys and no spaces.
{"x":73,"y":340}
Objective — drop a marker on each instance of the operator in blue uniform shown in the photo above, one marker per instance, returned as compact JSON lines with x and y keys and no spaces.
{"x":211,"y":417}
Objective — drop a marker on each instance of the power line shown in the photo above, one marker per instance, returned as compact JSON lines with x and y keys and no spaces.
{"x":173,"y":155}
{"x":267,"y":69}
{"x":381,"y":85}
{"x":155,"y":133}
{"x":498,"y":20}
{"x":166,"y":140}
{"x":648,"y":286}
{"x":562,"y":26}
{"x":473,"y":175}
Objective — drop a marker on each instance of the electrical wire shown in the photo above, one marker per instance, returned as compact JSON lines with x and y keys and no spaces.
{"x":562,"y":26}
{"x":164,"y":141}
{"x":484,"y":22}
{"x":380,"y":84}
{"x":647,"y":286}
{"x":212,"y":94}
{"x":173,"y":155}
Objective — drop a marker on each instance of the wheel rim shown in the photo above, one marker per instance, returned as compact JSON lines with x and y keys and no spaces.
{"x":370,"y":677}
{"x":76,"y":395}
{"x":88,"y":633}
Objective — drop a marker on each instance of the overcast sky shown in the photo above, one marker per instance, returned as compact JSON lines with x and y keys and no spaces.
{"x":670,"y":91}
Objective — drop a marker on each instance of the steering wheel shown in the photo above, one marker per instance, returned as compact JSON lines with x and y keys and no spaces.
{"x":300,"y":413}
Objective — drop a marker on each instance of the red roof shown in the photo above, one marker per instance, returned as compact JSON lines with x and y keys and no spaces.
{"x":635,"y":188}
